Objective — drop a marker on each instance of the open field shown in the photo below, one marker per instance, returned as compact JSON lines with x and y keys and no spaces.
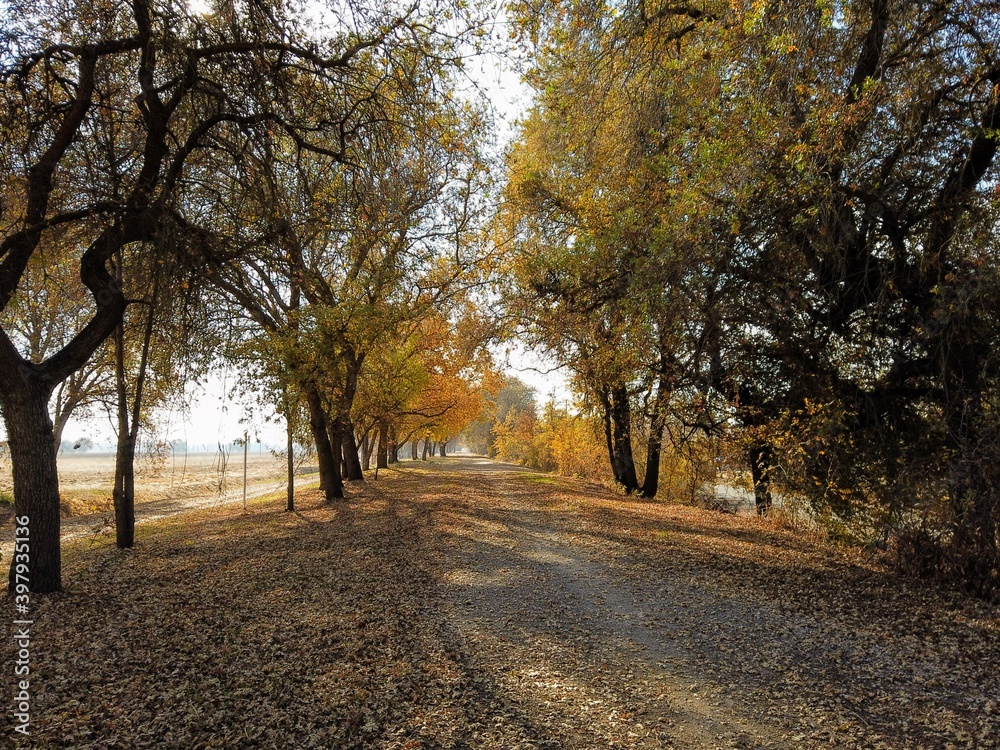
{"x":85,"y":480}
{"x":463,"y":604}
{"x":163,"y":488}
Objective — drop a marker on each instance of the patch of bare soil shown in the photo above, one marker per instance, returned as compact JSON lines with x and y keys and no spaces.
{"x":450,"y":607}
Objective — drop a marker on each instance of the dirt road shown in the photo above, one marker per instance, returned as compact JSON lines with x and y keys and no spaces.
{"x":613,"y":623}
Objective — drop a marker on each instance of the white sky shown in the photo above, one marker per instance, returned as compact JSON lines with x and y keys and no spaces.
{"x":212,"y":416}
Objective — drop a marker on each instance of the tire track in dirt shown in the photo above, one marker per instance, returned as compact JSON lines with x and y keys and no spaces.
{"x":606,"y":622}
{"x":564,"y":637}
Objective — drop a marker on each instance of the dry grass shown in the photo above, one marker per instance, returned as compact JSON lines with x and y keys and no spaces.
{"x":85,"y":480}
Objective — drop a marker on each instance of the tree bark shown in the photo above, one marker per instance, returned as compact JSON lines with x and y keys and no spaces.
{"x":605,"y":399}
{"x":291,"y":404}
{"x":442,"y":446}
{"x":413,"y":450}
{"x":335,"y":430}
{"x":654,"y":445}
{"x":336,"y":433}
{"x":354,"y":471}
{"x":393,"y":445}
{"x":621,"y":419}
{"x":123,"y":492}
{"x":289,"y":450}
{"x":290,"y":454}
{"x":366,"y":452}
{"x":36,"y":480}
{"x":424,"y":456}
{"x":382,"y":457}
{"x":329,"y":468}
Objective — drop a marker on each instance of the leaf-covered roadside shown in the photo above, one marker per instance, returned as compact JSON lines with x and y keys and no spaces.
{"x":629,"y":624}
{"x":264,"y":630}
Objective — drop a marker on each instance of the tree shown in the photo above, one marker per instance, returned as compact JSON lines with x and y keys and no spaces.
{"x":604,"y":277}
{"x":430,"y":385}
{"x":819,"y":178}
{"x":44,"y":321}
{"x":167,"y":339}
{"x":332,"y":253}
{"x":105,"y":107}
{"x":881,"y":155}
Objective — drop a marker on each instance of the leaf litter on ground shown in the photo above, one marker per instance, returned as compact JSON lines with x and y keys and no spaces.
{"x":463,"y":609}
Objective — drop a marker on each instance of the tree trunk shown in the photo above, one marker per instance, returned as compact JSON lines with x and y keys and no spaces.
{"x":366,"y":453}
{"x":291,"y":406}
{"x":123,"y":491}
{"x":123,"y":494}
{"x":393,"y":445}
{"x":329,"y":468}
{"x":761,"y":458}
{"x":382,"y":457}
{"x":608,"y":439}
{"x":335,"y":443}
{"x":336,"y":432}
{"x":36,"y":481}
{"x":444,"y":444}
{"x":424,"y":456}
{"x":290,"y":452}
{"x":413,"y":450}
{"x":621,"y":419}
{"x":654,"y":445}
{"x":354,"y":471}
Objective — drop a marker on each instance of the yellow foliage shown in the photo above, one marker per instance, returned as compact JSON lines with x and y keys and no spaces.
{"x":568,"y":444}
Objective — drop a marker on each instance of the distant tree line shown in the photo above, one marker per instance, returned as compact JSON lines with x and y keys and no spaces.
{"x":514,"y":428}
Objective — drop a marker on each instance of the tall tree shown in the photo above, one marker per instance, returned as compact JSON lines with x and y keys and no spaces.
{"x":822,"y":174}
{"x":168,"y":85}
{"x":331,"y":257}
